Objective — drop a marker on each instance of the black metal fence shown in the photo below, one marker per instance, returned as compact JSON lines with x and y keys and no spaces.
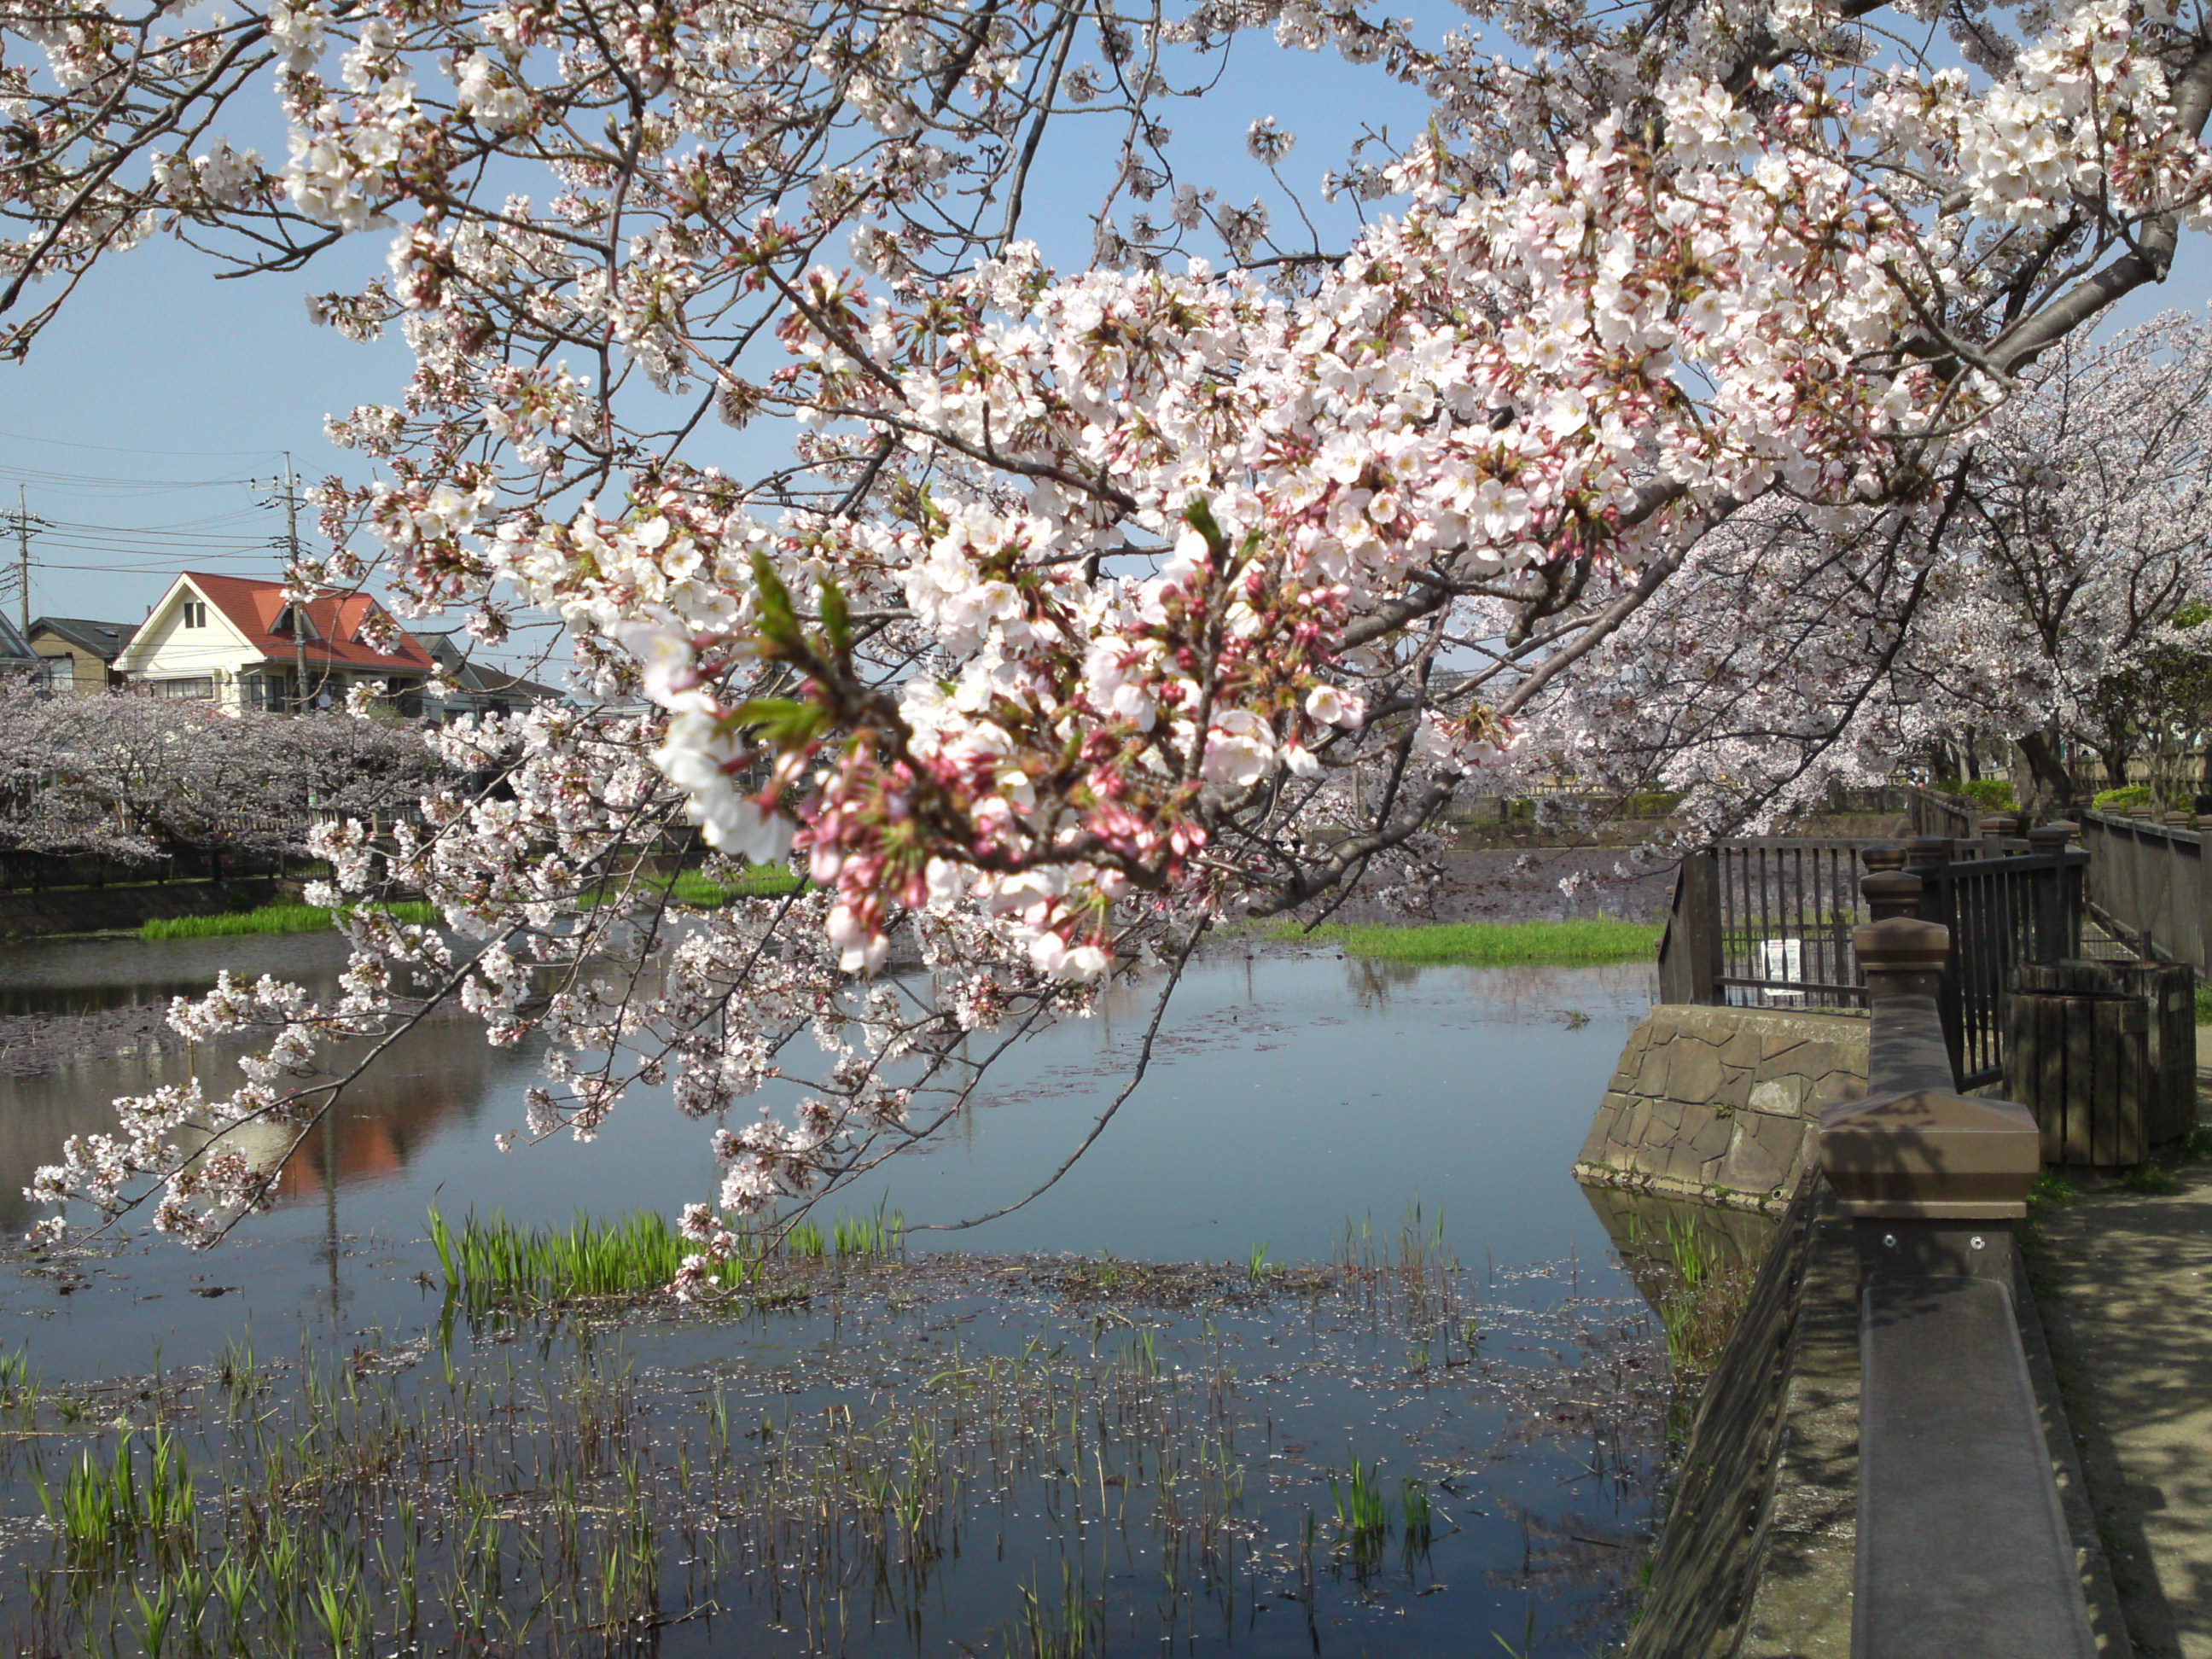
{"x":23,"y":872}
{"x":1768,"y":923}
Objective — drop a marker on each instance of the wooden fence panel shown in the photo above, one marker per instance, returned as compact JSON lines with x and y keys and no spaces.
{"x":2153,"y":882}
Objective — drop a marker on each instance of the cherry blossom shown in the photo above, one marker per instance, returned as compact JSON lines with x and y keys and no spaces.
{"x":1645,"y":420}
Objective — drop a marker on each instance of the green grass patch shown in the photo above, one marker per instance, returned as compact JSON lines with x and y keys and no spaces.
{"x":2053,"y":1189}
{"x":268,"y":919}
{"x":2154,"y":1178}
{"x":2204,"y":1005}
{"x":759,"y":881}
{"x":1490,"y":944}
{"x":691,"y":888}
{"x":1994,"y":793}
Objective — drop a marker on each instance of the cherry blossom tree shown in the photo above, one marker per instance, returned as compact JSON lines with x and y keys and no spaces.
{"x":2090,"y":535}
{"x":2042,"y":592}
{"x":1081,"y":599}
{"x":132,"y":777}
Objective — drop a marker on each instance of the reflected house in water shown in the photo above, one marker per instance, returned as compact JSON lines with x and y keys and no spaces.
{"x":433,"y":1077}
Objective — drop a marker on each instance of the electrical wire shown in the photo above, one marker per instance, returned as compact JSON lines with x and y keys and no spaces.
{"x":118,"y":449}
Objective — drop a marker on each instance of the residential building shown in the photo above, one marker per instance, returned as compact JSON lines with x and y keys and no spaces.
{"x":15,"y":654}
{"x":242,"y":644}
{"x":77,"y":654}
{"x":477,"y":688}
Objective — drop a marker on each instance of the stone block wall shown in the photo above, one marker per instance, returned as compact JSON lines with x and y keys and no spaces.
{"x":63,"y":911}
{"x":1722,"y":1104}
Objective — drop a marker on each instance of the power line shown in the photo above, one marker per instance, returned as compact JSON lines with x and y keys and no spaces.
{"x":89,"y":483}
{"x":118,"y":449}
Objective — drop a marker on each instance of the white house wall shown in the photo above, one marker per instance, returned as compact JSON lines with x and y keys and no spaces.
{"x":165,"y":650}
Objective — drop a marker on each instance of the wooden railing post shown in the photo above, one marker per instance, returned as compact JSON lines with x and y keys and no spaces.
{"x":2057,"y":908}
{"x":1690,"y":949}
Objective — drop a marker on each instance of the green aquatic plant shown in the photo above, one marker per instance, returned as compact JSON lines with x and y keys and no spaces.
{"x":1072,"y":1628}
{"x":879,"y":1235}
{"x":1699,"y":1306}
{"x":759,"y":881}
{"x":497,"y":1263}
{"x":337,"y":1600}
{"x":103,"y":1508}
{"x":691,"y":888}
{"x":1685,"y":1247}
{"x":1361,"y":1507}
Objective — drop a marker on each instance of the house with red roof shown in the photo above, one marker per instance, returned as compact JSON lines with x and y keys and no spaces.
{"x":240,"y":644}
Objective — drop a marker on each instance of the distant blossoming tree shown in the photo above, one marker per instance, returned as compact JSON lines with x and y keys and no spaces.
{"x":1082,"y":600}
{"x":132,"y":777}
{"x":2055,"y":570}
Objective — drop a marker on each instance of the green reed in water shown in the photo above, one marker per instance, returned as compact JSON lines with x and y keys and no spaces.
{"x":366,"y":1503}
{"x":494,"y":1262}
{"x":102,"y":1507}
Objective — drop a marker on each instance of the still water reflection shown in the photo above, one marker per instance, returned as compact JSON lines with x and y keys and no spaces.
{"x":1292,"y":1096}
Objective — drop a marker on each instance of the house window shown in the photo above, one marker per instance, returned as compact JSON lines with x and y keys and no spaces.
{"x":195,"y":613}
{"x":56,"y":675}
{"x":181,"y":690}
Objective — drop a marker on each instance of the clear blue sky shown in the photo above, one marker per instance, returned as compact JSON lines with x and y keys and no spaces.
{"x":185,"y":388}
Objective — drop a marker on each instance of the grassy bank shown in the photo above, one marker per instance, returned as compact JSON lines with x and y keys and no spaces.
{"x":764,"y":881}
{"x":760,"y":881}
{"x":1492,"y":944}
{"x":268,"y":918}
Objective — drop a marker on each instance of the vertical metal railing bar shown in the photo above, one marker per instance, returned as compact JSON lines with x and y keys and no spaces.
{"x":1724,"y":878}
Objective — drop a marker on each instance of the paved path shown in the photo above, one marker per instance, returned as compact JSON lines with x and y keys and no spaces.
{"x":2124,"y":1282}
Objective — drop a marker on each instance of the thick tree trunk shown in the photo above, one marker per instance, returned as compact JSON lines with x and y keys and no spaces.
{"x":2116,"y":766}
{"x":2049,"y":790}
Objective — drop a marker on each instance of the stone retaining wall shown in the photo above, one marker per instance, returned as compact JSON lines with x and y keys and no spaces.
{"x":26,"y":915}
{"x":1722,"y":1104}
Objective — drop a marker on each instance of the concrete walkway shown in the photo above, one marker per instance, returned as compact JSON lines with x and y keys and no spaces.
{"x":2123,"y":1279}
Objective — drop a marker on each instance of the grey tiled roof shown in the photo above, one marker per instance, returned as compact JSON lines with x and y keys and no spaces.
{"x":105,"y":640}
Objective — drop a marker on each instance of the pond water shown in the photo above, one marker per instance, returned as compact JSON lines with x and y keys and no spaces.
{"x":1018,"y":1440}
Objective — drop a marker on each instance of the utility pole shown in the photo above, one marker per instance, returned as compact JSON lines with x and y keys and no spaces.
{"x":24,"y":524}
{"x":299,"y":607}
